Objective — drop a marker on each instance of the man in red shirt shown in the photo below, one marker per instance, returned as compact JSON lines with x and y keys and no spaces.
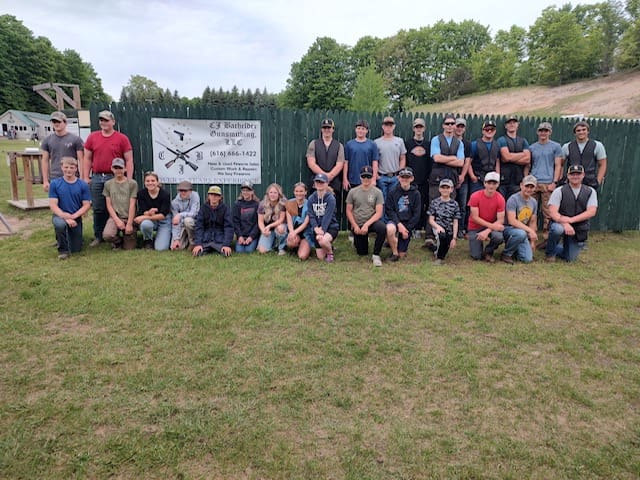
{"x":486,"y":219}
{"x":100,"y":149}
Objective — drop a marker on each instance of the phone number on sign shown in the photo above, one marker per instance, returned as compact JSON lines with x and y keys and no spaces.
{"x":232,"y":153}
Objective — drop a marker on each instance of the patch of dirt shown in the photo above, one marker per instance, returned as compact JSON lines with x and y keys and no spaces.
{"x":23,"y":226}
{"x":614,"y":96}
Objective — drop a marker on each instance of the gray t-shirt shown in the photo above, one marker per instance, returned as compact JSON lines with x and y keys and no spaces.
{"x":524,"y":209}
{"x":390,"y":151}
{"x":57,"y":147}
{"x":556,"y":197}
{"x":543,"y":160}
{"x":364,"y":202}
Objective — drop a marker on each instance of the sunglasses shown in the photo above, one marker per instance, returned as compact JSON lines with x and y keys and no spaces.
{"x":366,"y":176}
{"x":449,"y":123}
{"x":117,"y":167}
{"x":103,"y":119}
{"x":445,"y":186}
{"x":56,"y":121}
{"x":489,"y":129}
{"x":182,"y":190}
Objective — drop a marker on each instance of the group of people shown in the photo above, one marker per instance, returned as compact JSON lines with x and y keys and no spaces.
{"x":486,"y":190}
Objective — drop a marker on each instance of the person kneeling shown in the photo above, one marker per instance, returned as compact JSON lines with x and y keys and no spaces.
{"x":214,"y":229}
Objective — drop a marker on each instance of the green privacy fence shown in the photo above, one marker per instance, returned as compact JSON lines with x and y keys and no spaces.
{"x":286,"y":134}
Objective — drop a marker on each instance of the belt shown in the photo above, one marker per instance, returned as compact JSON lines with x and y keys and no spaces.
{"x":100,"y":174}
{"x":392,"y":174}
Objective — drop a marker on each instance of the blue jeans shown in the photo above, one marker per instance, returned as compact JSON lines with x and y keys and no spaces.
{"x":162,"y":229}
{"x":517,"y":243}
{"x":247,"y":248}
{"x":99,"y":203}
{"x":475,"y":187}
{"x":567,"y":250}
{"x":267,"y":242}
{"x":462,"y":196}
{"x":69,"y":239}
{"x":385,"y":184}
{"x":476,"y":246}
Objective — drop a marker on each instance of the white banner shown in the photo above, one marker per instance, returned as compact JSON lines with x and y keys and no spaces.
{"x":206,"y":151}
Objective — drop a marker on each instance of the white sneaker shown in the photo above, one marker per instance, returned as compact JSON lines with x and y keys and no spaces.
{"x":377,"y":262}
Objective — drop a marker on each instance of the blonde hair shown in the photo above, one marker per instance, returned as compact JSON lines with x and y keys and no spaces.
{"x":271,"y":212}
{"x":69,"y":160}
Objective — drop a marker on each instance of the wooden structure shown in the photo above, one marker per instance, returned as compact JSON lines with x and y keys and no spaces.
{"x":61,"y":95}
{"x":26,"y":166}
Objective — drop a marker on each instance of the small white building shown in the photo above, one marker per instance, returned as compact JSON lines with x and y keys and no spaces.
{"x":25,"y":125}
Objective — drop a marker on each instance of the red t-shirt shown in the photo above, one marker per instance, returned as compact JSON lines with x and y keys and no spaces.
{"x":105,"y":149}
{"x":488,"y":207}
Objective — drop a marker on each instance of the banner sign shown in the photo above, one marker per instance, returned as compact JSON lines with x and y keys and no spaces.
{"x":206,"y":151}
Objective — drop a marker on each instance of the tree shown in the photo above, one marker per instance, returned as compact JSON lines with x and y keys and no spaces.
{"x":559,"y":50}
{"x":501,"y":63}
{"x":141,"y":89}
{"x":321,"y":79}
{"x":369,"y":93}
{"x":629,"y":49}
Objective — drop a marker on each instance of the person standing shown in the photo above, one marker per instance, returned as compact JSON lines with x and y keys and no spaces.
{"x":570,"y":207}
{"x":69,"y":200}
{"x":546,"y":166}
{"x":591,"y":154}
{"x":358,"y":152}
{"x":520,"y":230}
{"x":365,"y":205}
{"x":100,"y":149}
{"x":59,"y":144}
{"x":419,"y":160}
{"x":462,"y":185}
{"x":392,"y":154}
{"x":486,"y":219}
{"x":448,"y":156}
{"x":485,"y":155}
{"x":514,"y":158}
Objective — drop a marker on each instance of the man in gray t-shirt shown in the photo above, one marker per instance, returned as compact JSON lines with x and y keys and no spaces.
{"x":59,"y":144}
{"x":521,"y":223}
{"x":393,"y":156}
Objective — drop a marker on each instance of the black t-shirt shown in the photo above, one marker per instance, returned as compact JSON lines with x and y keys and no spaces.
{"x":419,"y":159}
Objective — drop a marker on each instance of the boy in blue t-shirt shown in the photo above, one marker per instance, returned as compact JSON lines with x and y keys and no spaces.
{"x":69,"y":200}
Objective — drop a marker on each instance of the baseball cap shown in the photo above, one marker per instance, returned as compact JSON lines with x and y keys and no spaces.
{"x":366,"y":171}
{"x":461,"y":121}
{"x":492,"y":177}
{"x":419,"y":121}
{"x":530,"y":180}
{"x":215,"y":190}
{"x":321,"y":177}
{"x":247,"y":184}
{"x":545,"y":126}
{"x":106,"y":114}
{"x":489,"y":123}
{"x":510,"y":118}
{"x":362,"y":123}
{"x":406,"y":172}
{"x":327,"y":122}
{"x":581,"y":123}
{"x":117,"y":162}
{"x":449,"y":116}
{"x":185,"y":185}
{"x":576,"y":169}
{"x":388,"y":120}
{"x":58,"y":116}
{"x":446,"y":181}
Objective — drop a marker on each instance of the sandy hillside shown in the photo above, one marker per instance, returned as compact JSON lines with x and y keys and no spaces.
{"x":616,"y":96}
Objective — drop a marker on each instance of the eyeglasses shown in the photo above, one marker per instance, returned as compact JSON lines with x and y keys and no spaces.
{"x":449,"y":123}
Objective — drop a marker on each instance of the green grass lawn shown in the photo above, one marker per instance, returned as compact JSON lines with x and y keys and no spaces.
{"x":146,"y":364}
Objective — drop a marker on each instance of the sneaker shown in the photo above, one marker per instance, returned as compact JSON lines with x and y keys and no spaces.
{"x":282,"y":252}
{"x":550,"y":258}
{"x":351,"y":238}
{"x":394,"y":258}
{"x":95,"y":242}
{"x":116,"y":246}
{"x":438,"y":261}
{"x":429,"y":244}
{"x":506,"y":259}
{"x":377,"y":262}
{"x":489,"y":258}
{"x":329,"y":258}
{"x":63,"y":256}
{"x":148,"y":245}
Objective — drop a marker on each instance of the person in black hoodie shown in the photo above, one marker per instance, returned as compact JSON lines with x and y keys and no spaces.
{"x":214,"y":229}
{"x":402,"y":209}
{"x":245,"y":219}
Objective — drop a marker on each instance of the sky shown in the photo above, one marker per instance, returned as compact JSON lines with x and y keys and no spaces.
{"x":187,"y":45}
